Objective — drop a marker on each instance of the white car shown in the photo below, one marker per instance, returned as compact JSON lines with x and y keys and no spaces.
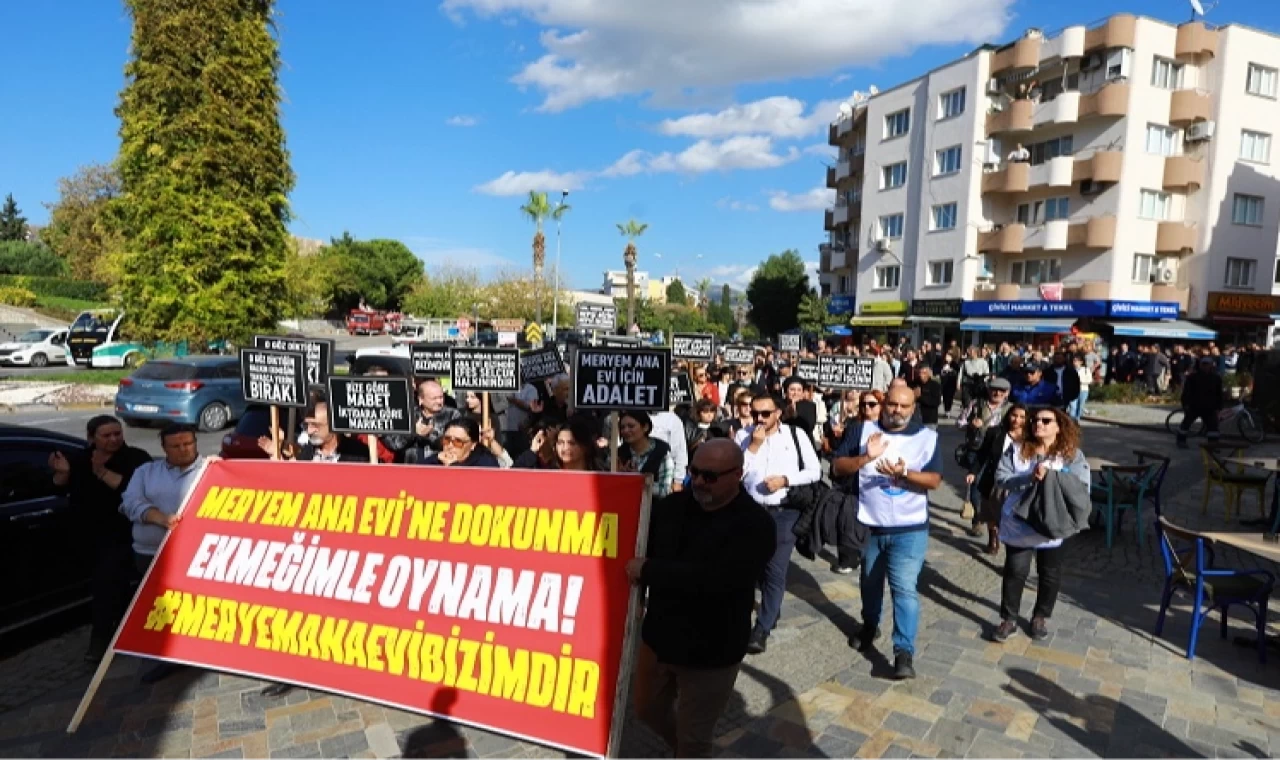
{"x":37,"y":348}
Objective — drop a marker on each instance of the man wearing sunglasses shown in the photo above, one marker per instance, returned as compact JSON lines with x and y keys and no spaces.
{"x":777,"y":458}
{"x":707,"y":548}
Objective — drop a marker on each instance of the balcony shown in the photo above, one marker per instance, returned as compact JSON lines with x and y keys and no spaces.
{"x":1064,"y":109}
{"x":1056,"y":172}
{"x":1195,"y":40}
{"x":1023,"y":55}
{"x":1006,"y":239}
{"x":1102,"y":166}
{"x":842,"y":215}
{"x":824,"y":258}
{"x":1050,"y":236}
{"x":1111,"y":100}
{"x":1175,"y":237}
{"x":1187,"y":106}
{"x":829,"y":222}
{"x":832,"y":137}
{"x":1068,"y":44}
{"x":1183,"y":173}
{"x":1097,"y":232}
{"x":1171,"y":293}
{"x":1119,"y":31}
{"x":1017,"y":116}
{"x":1005,"y":291}
{"x":1013,"y":178}
{"x":831,"y":177}
{"x":839,"y":258}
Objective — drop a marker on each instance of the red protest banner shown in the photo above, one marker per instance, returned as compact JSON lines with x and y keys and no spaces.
{"x":497,"y":599}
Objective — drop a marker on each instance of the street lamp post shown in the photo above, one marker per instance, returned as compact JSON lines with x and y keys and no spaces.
{"x":555,"y":306}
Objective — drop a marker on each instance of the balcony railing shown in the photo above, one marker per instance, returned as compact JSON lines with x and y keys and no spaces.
{"x":1006,"y":239}
{"x":1176,"y":237}
{"x":1187,"y":106}
{"x":1119,"y":31}
{"x":1183,"y":173}
{"x":1195,"y":40}
{"x":1013,"y":178}
{"x":1023,"y":55}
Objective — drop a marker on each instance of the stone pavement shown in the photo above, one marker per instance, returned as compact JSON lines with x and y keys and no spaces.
{"x":1102,"y":685}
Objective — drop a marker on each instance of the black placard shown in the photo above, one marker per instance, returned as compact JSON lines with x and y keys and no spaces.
{"x":937,"y":307}
{"x":430,"y":359}
{"x":620,"y":341}
{"x":622,"y":378}
{"x":494,"y":370}
{"x":681,"y":389}
{"x":846,"y":372}
{"x":541,"y":364}
{"x":375,"y":405}
{"x":277,"y":378}
{"x":318,"y":353}
{"x":696,"y":346}
{"x":789,"y":342}
{"x":739,"y":354}
{"x":597,"y":316}
{"x":807,"y":370}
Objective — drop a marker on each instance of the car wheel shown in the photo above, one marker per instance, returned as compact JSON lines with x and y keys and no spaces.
{"x":214,"y":417}
{"x":39,"y":360}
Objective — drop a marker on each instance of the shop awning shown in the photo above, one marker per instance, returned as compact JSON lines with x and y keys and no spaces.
{"x":877,"y":321}
{"x":1049,"y":325}
{"x":1169,"y":328}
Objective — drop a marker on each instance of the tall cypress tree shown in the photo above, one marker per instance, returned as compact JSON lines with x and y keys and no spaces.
{"x":204,"y":171}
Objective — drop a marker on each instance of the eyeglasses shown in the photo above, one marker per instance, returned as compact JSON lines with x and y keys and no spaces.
{"x":870,"y":404}
{"x":1046,"y":421}
{"x":757,"y":414}
{"x":709,"y":476}
{"x":450,"y":440}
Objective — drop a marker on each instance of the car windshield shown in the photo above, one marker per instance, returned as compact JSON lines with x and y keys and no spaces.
{"x":165,"y":371}
{"x":90,"y":322}
{"x":34,"y":336}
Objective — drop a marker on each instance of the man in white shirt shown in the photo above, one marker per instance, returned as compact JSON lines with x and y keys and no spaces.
{"x":668,"y":428}
{"x":773,"y":454}
{"x":881,"y":373}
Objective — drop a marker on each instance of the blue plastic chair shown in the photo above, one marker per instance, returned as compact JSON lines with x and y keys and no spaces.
{"x":1220,"y":588}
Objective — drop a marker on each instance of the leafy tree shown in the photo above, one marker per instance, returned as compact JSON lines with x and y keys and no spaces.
{"x":20,"y":257}
{"x":79,"y":230}
{"x":447,"y":293}
{"x":726,"y":294}
{"x":704,"y":295}
{"x":537,"y":209}
{"x":13,"y":225}
{"x":775,"y":292}
{"x":379,"y":272}
{"x":204,"y":171}
{"x":307,"y":285}
{"x":676,"y":294}
{"x":631,"y":230}
{"x":813,"y":313}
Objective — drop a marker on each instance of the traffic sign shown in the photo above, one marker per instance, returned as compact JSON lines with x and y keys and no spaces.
{"x":533,"y":332}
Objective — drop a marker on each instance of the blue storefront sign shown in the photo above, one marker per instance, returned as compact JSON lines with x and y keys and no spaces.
{"x":1145,"y":309}
{"x":1034,"y":309}
{"x":840,"y":304}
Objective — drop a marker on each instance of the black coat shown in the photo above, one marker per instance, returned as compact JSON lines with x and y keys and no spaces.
{"x":987,"y":459}
{"x":929,"y":401}
{"x":1070,"y":389}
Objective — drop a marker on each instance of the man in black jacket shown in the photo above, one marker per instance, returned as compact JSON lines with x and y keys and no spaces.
{"x":1202,"y":398}
{"x":1063,"y":375}
{"x":708,"y":547}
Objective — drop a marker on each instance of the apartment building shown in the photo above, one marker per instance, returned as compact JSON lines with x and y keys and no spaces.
{"x":1117,"y":178}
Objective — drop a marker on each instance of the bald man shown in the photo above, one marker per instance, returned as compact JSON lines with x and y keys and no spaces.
{"x":708,"y":547}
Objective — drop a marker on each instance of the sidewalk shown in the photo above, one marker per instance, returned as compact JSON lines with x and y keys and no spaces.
{"x":14,"y":395}
{"x":1102,"y":685}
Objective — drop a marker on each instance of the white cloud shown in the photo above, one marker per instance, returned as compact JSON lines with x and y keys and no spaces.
{"x":729,"y":204}
{"x":521,"y":183}
{"x":462,"y":120}
{"x":779,"y":116}
{"x":816,"y":199}
{"x":737,"y":275}
{"x":841,"y":78}
{"x":630,"y":164}
{"x":436,"y":253}
{"x":671,"y":49}
{"x":823,"y":150}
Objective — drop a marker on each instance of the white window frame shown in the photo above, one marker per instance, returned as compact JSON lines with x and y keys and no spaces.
{"x":950,"y":212}
{"x":1166,"y":74}
{"x":1255,"y":147}
{"x":1020,"y":272}
{"x":1261,"y":81}
{"x":987,"y":272}
{"x":895,"y":171}
{"x":897,"y":124}
{"x":941,"y":272}
{"x":951,"y":103}
{"x":1144,"y":267}
{"x":886,"y":273}
{"x":947,"y":161}
{"x":885,"y":225}
{"x":1247,"y":210}
{"x":1155,"y":204}
{"x":1239,"y":273}
{"x":1165,"y":139}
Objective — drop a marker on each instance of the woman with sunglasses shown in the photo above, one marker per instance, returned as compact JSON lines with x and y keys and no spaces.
{"x":459,"y":447}
{"x":870,"y":405}
{"x":741,"y":411}
{"x":644,"y":454}
{"x":703,"y":388}
{"x":1052,"y":444}
{"x":995,"y":442}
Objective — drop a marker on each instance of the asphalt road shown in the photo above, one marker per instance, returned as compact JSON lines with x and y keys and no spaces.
{"x":73,"y":423}
{"x":32,"y":372}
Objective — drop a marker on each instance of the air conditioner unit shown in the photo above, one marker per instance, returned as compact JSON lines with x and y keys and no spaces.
{"x":884,"y":245}
{"x":993,"y":87}
{"x":990,"y":153}
{"x":1166,"y":274}
{"x":1200,"y":131}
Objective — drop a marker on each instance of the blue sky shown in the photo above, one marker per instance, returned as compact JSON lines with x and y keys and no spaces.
{"x":426,"y":121}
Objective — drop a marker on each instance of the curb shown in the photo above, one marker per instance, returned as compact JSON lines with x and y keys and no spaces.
{"x":35,"y":407}
{"x":84,"y":405}
{"x":1128,"y":425}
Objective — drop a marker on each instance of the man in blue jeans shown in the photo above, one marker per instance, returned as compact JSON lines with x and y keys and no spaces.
{"x":898,"y":463}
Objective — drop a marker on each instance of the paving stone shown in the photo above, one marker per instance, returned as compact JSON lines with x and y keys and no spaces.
{"x":344,"y":745}
{"x":907,"y":725}
{"x":240,"y":726}
{"x":952,"y":736}
{"x":308,"y":749}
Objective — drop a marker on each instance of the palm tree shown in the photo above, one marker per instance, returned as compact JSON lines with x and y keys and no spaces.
{"x":631,"y":230}
{"x":536,"y":209}
{"x":704,"y":295}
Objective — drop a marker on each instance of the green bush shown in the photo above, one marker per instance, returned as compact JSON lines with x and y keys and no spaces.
{"x":56,"y":286}
{"x":19,"y":257}
{"x":1126,"y":393}
{"x":17,"y":296}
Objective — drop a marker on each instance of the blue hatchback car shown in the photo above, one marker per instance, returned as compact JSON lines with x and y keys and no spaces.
{"x":197,"y":390}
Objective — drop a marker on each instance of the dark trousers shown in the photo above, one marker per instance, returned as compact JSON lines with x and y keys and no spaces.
{"x":774,"y":583}
{"x":1190,"y":414}
{"x":1017,"y":566}
{"x":681,"y":704}
{"x":114,"y":574}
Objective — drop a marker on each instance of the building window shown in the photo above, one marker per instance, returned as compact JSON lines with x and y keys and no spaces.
{"x":897,"y":123}
{"x":893,"y":175}
{"x":946,"y":161}
{"x":1246,"y":209}
{"x":1261,"y":81}
{"x":844,"y":284}
{"x":1142,"y":266}
{"x":1056,"y":208}
{"x":887,"y":278}
{"x":985,"y":270}
{"x":1166,"y":74}
{"x":1154,"y":205}
{"x":1162,"y":140}
{"x":944,"y":217}
{"x":1035,"y":271}
{"x":1051,"y":149}
{"x":951,"y":104}
{"x":940,"y":272}
{"x":1240,"y":273}
{"x":1048,"y":210}
{"x":859,"y":145}
{"x":891,"y":226}
{"x":1255,"y":147}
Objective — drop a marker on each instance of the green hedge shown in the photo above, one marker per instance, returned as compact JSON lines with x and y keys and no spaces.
{"x":56,"y":286}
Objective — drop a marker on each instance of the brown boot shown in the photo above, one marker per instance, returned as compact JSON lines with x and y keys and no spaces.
{"x":993,"y":540}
